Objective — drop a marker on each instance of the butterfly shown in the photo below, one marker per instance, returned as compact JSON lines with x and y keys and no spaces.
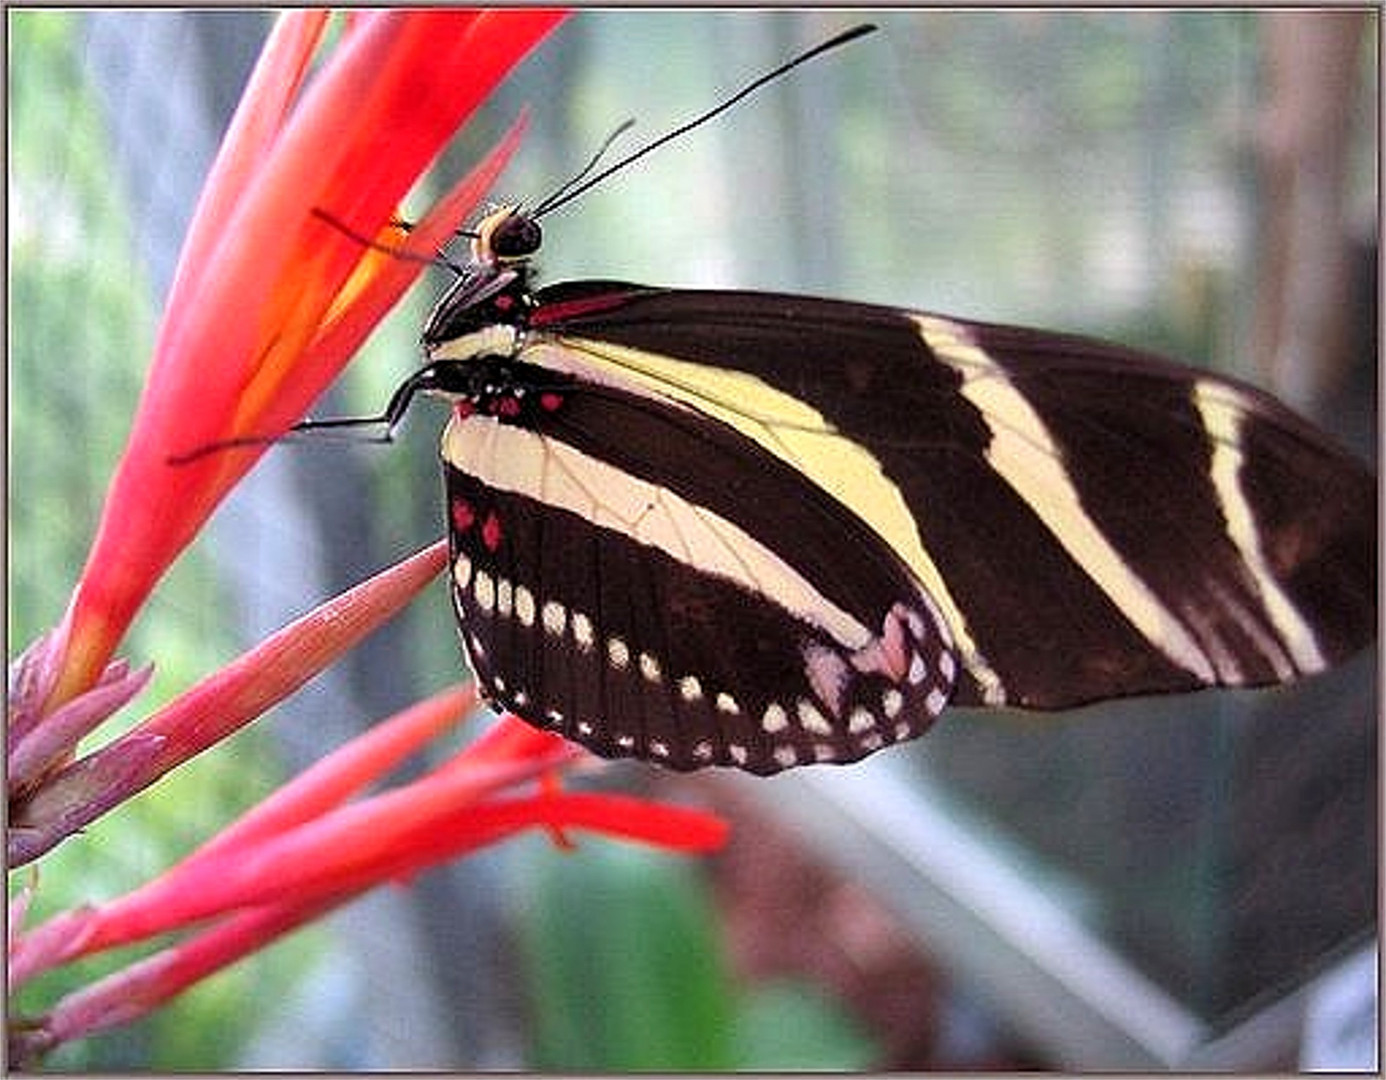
{"x":702,"y":527}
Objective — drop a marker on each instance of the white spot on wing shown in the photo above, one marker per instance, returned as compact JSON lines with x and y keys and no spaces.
{"x":524,"y":606}
{"x":582,"y":631}
{"x":554,"y":617}
{"x":484,"y":589}
{"x":810,"y":719}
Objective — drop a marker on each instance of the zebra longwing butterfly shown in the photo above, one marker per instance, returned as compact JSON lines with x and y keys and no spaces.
{"x":757,"y":530}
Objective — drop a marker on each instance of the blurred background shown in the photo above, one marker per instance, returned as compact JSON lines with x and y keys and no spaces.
{"x":1188,"y":882}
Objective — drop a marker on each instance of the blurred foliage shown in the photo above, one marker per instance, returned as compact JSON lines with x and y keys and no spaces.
{"x":787,"y":1026}
{"x":1061,"y":168}
{"x":77,"y":305}
{"x":626,"y":972}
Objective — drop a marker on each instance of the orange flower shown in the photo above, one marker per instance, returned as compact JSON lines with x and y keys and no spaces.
{"x":274,"y":290}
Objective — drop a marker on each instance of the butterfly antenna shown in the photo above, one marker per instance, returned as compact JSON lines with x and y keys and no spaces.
{"x":575,"y":187}
{"x":556,"y":197}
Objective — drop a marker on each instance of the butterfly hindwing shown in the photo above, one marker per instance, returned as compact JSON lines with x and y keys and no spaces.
{"x":652,"y":583}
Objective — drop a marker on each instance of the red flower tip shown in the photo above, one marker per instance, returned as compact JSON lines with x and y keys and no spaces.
{"x":305,"y":848}
{"x":270,"y":300}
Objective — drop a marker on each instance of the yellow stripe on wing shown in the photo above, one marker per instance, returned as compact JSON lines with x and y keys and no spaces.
{"x":525,"y":463}
{"x":794,"y":432}
{"x":1023,"y":453}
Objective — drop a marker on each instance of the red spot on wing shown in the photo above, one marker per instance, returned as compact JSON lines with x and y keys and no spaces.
{"x":551,"y":402}
{"x":491,"y":532}
{"x":463,"y":409}
{"x":463,"y":515}
{"x":558,"y":311}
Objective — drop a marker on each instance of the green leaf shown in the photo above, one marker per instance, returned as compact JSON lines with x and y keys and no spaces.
{"x":625,"y":969}
{"x":792,"y":1026}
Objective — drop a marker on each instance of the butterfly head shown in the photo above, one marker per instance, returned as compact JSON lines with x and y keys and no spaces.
{"x":506,"y":236}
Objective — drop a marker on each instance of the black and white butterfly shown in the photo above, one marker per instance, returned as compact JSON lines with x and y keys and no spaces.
{"x":759,"y":530}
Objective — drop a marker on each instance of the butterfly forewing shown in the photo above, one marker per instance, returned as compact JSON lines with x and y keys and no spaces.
{"x":1090,"y":521}
{"x":651,"y":583}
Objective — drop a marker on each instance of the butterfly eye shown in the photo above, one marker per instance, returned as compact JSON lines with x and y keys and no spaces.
{"x":517,"y":236}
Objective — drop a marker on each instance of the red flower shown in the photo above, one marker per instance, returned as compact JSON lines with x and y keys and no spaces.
{"x":275,"y":291}
{"x":270,"y":301}
{"x":306,"y":850}
{"x":271,"y":298}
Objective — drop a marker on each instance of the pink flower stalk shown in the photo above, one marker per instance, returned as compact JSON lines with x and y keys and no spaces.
{"x":275,"y":290}
{"x":75,"y":794}
{"x":306,"y":850}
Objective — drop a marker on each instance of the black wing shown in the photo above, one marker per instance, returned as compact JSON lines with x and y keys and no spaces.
{"x":653,"y":584}
{"x":1090,"y":521}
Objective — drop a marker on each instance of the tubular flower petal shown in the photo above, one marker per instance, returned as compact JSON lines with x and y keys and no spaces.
{"x":222,"y":703}
{"x":338,"y":776}
{"x":304,"y":849}
{"x":49,"y":744}
{"x":274,"y":289}
{"x":134,"y":991}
